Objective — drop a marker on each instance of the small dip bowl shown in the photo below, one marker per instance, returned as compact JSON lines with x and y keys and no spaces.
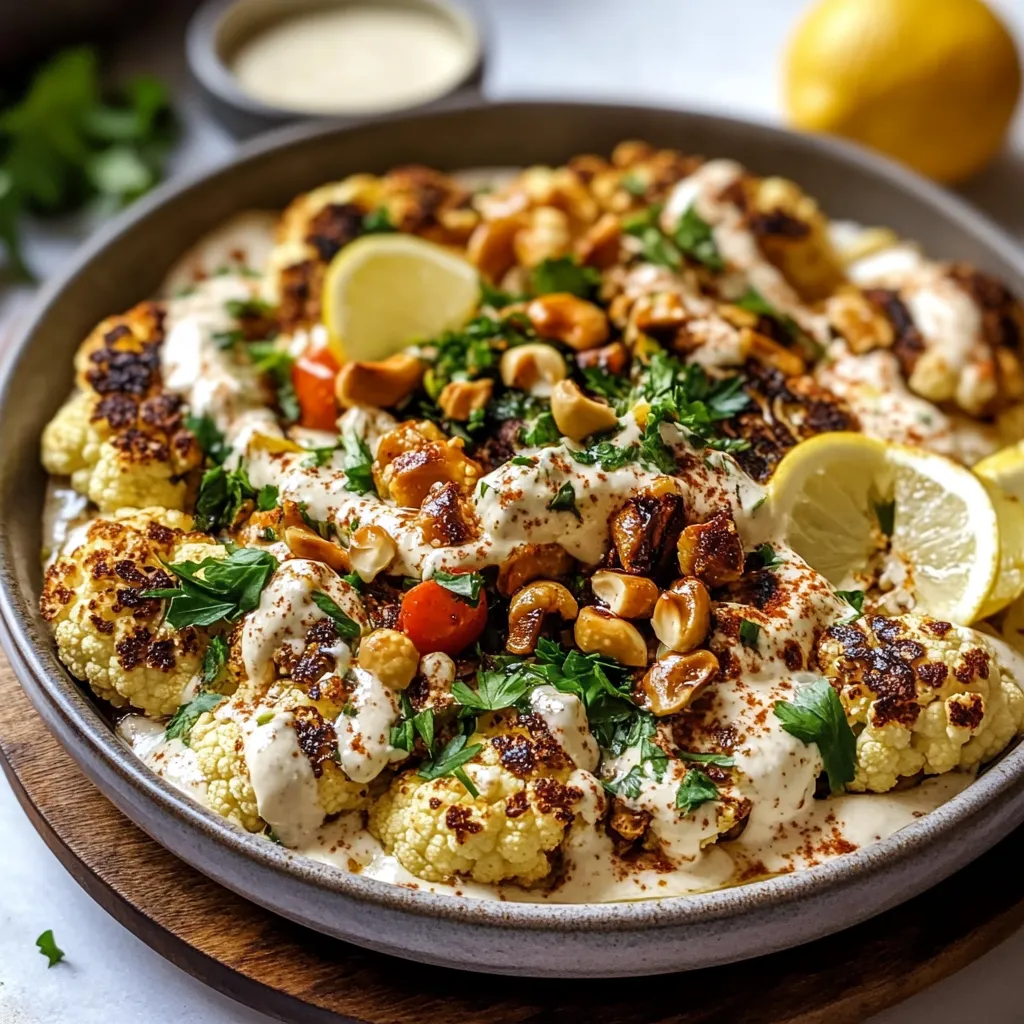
{"x":262,"y":63}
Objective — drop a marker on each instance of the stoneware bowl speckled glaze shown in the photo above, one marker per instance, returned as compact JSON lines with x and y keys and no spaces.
{"x":125,"y":264}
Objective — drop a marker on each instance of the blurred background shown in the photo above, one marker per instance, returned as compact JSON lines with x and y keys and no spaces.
{"x":100,"y":100}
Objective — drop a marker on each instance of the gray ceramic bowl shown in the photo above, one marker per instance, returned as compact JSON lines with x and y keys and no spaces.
{"x":125,"y":263}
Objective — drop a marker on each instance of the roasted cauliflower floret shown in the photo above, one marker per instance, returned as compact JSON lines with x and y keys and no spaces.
{"x":106,"y":632}
{"x":923,"y":695}
{"x":121,"y":439}
{"x":220,"y":753}
{"x":529,"y":796}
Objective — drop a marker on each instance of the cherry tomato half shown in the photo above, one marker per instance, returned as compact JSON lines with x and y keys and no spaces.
{"x":313,"y":376}
{"x":434,"y":619}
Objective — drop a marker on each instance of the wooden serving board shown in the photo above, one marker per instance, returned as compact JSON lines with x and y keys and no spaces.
{"x":298,"y":975}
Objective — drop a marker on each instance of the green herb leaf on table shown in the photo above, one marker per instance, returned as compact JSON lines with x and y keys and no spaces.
{"x":49,"y":948}
{"x":184,"y":719}
{"x":347,"y":627}
{"x":216,"y":589}
{"x":815,"y":715}
{"x":464,"y":585}
{"x":695,"y":789}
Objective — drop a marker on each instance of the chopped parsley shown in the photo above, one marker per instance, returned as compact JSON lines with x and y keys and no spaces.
{"x":49,"y":948}
{"x":815,"y":715}
{"x":378,"y":222}
{"x":495,"y":298}
{"x":719,"y":760}
{"x":474,"y":350}
{"x":695,"y":239}
{"x":633,"y":184}
{"x":540,"y":432}
{"x":269,"y":534}
{"x":222,"y":493}
{"x":267,"y":498}
{"x":348,"y":629}
{"x":450,"y":761}
{"x":209,"y":436}
{"x":496,"y":688}
{"x":885,"y":513}
{"x":855,"y":599}
{"x":692,"y":238}
{"x":242,"y":309}
{"x":652,"y":765}
{"x":565,"y":501}
{"x":276,"y":364}
{"x":754,"y":302}
{"x":750,"y":634}
{"x":318,"y":457}
{"x":413,"y":724}
{"x":564,"y":274}
{"x":769,"y":559}
{"x":215,"y":658}
{"x":695,"y":789}
{"x":464,"y":585}
{"x":216,"y":589}
{"x":184,"y":719}
{"x":522,"y":460}
{"x":358,"y":465}
{"x":606,"y":455}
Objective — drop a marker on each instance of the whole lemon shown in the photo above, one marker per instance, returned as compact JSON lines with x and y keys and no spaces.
{"x":931,"y":82}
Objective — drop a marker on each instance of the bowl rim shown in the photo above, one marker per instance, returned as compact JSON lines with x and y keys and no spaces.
{"x":32,"y":655}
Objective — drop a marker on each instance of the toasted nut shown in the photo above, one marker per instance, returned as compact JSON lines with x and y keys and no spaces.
{"x":572,"y":321}
{"x":599,"y":247}
{"x":491,"y":246}
{"x":459,"y":399}
{"x":447,"y":517}
{"x":381,"y":384}
{"x":529,"y":608}
{"x":533,"y":562}
{"x":676,"y":680}
{"x":547,"y":235}
{"x":578,"y":416}
{"x":391,"y":656}
{"x":862,"y":324}
{"x":629,"y":823}
{"x":598,"y":631}
{"x":631,"y":597}
{"x":660,"y":311}
{"x":610,"y":358}
{"x":534,"y":368}
{"x":306,"y":543}
{"x":770,"y":353}
{"x":682,"y":616}
{"x":415,"y":456}
{"x":631,"y":152}
{"x":370,"y":551}
{"x":646,"y":530}
{"x":712,"y":551}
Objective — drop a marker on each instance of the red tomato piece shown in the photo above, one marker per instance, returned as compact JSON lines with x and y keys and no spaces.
{"x":434,"y":619}
{"x":313,"y":376}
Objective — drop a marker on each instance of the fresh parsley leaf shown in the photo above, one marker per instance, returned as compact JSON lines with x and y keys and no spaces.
{"x":522,"y":460}
{"x":497,"y":688}
{"x":565,"y":501}
{"x":606,"y":384}
{"x":267,"y":498}
{"x":564,"y":274}
{"x":318,"y":457}
{"x":182,"y":721}
{"x":720,"y":760}
{"x":358,"y":465}
{"x":216,"y":589}
{"x":49,"y":948}
{"x":248,"y":309}
{"x":754,"y":302}
{"x":378,"y":222}
{"x":652,"y":765}
{"x":276,"y":364}
{"x":210,"y":439}
{"x":628,"y":785}
{"x":695,"y":789}
{"x":542,"y":431}
{"x":464,"y":585}
{"x":655,"y":246}
{"x":454,"y":755}
{"x":411,"y":724}
{"x":222,"y":494}
{"x":269,"y":534}
{"x":750,"y":634}
{"x":885,"y":513}
{"x":695,"y":238}
{"x":769,"y":559}
{"x":474,"y":350}
{"x":495,"y":298}
{"x":348,"y":629}
{"x":227,"y":339}
{"x":633,"y":184}
{"x":815,"y":715}
{"x":609,"y":456}
{"x":215,"y":657}
{"x":855,"y":599}
{"x":460,"y":774}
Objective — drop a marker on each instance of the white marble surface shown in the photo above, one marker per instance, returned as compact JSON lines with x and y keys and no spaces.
{"x":721,"y":55}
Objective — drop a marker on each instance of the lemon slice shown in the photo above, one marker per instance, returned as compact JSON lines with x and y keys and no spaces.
{"x":837,"y":495}
{"x":1003,"y":475}
{"x":383,"y":292}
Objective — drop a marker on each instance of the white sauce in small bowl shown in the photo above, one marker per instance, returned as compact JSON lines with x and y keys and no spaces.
{"x":358,"y":58}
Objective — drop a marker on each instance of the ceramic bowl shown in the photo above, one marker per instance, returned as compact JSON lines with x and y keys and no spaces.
{"x":124,"y":264}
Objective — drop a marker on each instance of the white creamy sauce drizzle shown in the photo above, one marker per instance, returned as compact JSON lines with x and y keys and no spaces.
{"x":352,"y":58}
{"x":566,"y":720}
{"x":282,"y":778}
{"x":363,"y":737}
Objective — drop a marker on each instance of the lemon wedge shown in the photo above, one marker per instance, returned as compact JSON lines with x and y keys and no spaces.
{"x":1003,"y":475}
{"x":840,"y":495}
{"x":383,"y":292}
